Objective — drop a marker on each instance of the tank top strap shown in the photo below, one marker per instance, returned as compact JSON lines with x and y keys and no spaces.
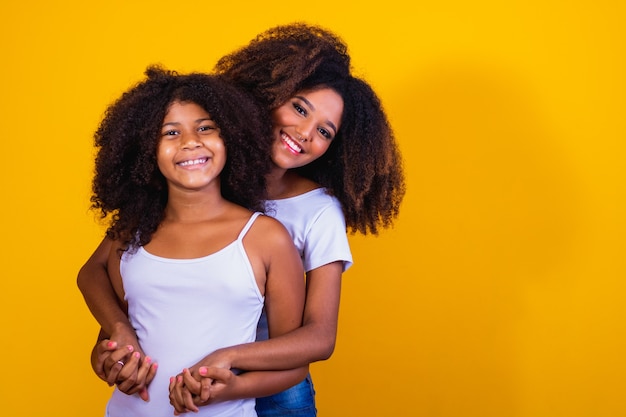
{"x":248,"y":225}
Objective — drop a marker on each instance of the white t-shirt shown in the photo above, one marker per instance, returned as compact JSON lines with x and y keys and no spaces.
{"x":317,"y":226}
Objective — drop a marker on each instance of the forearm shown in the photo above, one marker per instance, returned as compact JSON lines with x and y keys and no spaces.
{"x":95,"y":286}
{"x":300,"y":347}
{"x":102,"y":302}
{"x":312,"y":342}
{"x":264,"y":383}
{"x":203,"y":386}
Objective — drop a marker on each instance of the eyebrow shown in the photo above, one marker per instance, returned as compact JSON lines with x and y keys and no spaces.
{"x":308,"y":103}
{"x":204,"y":119}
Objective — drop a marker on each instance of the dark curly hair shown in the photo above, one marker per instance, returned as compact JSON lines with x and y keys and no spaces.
{"x":128,"y":187}
{"x":363,"y":165}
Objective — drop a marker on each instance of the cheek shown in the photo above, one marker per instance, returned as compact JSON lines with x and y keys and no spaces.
{"x":280,"y":118}
{"x":321,"y":147}
{"x":218,"y":146}
{"x":164,"y":151}
{"x":164,"y":155}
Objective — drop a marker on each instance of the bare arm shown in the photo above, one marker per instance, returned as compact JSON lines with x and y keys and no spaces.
{"x":259,"y":384}
{"x":95,"y":285}
{"x":314,"y":341}
{"x":219,"y":384}
{"x":117,"y":342}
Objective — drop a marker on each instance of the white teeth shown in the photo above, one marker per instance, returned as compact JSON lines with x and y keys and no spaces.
{"x":293,"y":145}
{"x":193,"y":162}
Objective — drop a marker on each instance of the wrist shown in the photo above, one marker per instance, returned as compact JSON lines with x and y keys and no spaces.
{"x":122,"y":327}
{"x":123,"y":333}
{"x":228,"y":355}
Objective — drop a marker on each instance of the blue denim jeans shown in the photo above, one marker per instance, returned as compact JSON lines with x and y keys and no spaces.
{"x":298,"y":400}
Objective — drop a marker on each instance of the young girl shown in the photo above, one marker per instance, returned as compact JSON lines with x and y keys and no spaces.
{"x":189,"y":261}
{"x":333,"y":155}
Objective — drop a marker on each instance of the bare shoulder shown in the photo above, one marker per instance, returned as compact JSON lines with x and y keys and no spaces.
{"x":268,"y":235}
{"x":270,"y":247}
{"x":268,"y":228}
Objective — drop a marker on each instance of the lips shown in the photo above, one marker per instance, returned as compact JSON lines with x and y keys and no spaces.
{"x":192,"y":162}
{"x":291,"y":144}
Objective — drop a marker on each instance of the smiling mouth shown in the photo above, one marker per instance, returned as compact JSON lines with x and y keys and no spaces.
{"x":192,"y":162}
{"x":291,"y":144}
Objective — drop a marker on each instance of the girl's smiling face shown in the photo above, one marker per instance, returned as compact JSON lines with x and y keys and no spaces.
{"x":304,"y":127}
{"x":190,"y":154}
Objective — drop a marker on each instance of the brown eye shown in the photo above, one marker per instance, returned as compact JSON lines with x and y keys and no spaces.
{"x":299,"y":109}
{"x":325,"y":133}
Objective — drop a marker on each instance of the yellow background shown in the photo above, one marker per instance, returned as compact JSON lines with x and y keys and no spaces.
{"x":499,"y":293}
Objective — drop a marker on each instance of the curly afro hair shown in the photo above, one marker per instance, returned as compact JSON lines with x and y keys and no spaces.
{"x":128,"y":187}
{"x":363,"y":165}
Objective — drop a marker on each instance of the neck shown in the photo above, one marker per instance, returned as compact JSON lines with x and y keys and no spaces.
{"x":193,"y":206}
{"x":277,"y":182}
{"x":284,"y":183}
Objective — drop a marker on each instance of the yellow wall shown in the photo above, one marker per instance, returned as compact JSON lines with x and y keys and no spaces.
{"x":499,"y":292}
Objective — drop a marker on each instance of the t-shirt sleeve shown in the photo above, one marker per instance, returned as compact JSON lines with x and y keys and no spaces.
{"x":327,"y":241}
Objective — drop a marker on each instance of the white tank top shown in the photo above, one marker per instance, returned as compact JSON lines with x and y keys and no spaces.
{"x":184,"y":309}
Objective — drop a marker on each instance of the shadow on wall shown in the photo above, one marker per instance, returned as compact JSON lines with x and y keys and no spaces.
{"x":491,"y":209}
{"x":489,"y":185}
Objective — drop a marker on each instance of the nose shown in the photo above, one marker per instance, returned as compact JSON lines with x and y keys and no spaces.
{"x":300,"y":137}
{"x":190,"y":141}
{"x":305,"y":131}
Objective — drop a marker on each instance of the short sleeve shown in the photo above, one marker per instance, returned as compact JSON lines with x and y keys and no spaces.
{"x":326,"y":240}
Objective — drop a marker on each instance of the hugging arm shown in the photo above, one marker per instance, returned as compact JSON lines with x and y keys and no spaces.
{"x":211,"y":380}
{"x":117,"y":342}
{"x":284,"y":303}
{"x":189,"y":391}
{"x":95,"y":285}
{"x":314,"y":341}
{"x":326,"y":254}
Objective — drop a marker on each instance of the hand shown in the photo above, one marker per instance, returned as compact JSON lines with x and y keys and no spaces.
{"x":123,"y":367}
{"x":221,"y":358}
{"x":99,"y":354}
{"x":122,"y":336}
{"x":136,"y":375}
{"x":180,"y":397}
{"x":101,"y":360}
{"x":190,"y":390}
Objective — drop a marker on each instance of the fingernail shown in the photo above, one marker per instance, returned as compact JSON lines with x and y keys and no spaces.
{"x":130,"y":348}
{"x":110,"y":344}
{"x":136,"y":354}
{"x":202,"y":371}
{"x":148,"y":359}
